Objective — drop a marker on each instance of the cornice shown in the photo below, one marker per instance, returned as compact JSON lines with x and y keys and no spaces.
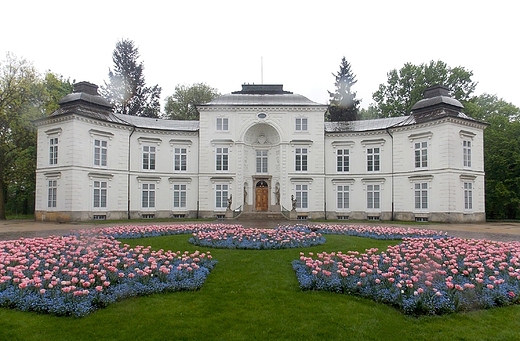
{"x":166,"y":132}
{"x":356,"y":133}
{"x":446,"y":119}
{"x":257,"y":109}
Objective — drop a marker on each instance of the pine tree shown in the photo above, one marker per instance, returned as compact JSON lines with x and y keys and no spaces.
{"x":127,"y":89}
{"x":343,"y":105}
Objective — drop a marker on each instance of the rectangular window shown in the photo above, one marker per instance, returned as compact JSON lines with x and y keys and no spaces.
{"x":148,"y":195}
{"x":468,"y":195}
{"x":421,"y":196}
{"x":52,"y":194}
{"x":343,"y":196}
{"x":261,"y":161}
{"x":302,"y":196}
{"x":373,"y":159}
{"x":466,"y":151}
{"x":179,"y":196}
{"x":301,"y":124}
{"x":180,"y":159}
{"x":53,"y":151}
{"x":100,"y":194}
{"x":100,"y":153}
{"x":222,"y":124}
{"x":373,"y":196}
{"x":221,"y":196}
{"x":343,"y":160}
{"x":301,"y":159}
{"x":148,"y":157}
{"x":421,"y":154}
{"x":222,"y":160}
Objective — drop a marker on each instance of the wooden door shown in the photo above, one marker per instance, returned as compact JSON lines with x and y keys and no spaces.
{"x":262,"y":201}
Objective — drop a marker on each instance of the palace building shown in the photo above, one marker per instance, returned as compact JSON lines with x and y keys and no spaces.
{"x":261,"y":152}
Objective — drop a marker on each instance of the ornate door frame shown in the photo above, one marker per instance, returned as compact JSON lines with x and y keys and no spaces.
{"x":262,"y":184}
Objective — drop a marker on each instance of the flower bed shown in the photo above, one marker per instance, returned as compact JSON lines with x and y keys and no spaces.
{"x":76,"y":275}
{"x":236,"y":237}
{"x":377,"y":232}
{"x":421,"y":276}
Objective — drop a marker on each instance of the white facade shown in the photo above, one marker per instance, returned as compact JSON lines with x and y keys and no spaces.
{"x":252,"y":152}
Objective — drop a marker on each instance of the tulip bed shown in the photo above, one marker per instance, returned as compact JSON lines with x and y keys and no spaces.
{"x":75,"y":275}
{"x":427,"y":273}
{"x":421,"y":276}
{"x":236,"y":237}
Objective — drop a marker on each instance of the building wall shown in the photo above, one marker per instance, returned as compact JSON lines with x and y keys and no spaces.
{"x":393,"y":183}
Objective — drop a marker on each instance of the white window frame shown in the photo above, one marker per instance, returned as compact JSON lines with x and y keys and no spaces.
{"x":302,"y":195}
{"x":148,"y":195}
{"x":301,"y":124}
{"x":373,"y":159}
{"x":262,"y":161}
{"x":222,"y":124}
{"x":343,"y":197}
{"x":468,"y":189}
{"x":149,"y":159}
{"x":100,"y":157}
{"x":343,"y":160}
{"x":221,"y":159}
{"x":180,"y":159}
{"x":100,"y":194}
{"x":467,"y":145}
{"x":301,"y":159}
{"x":180,"y":195}
{"x":221,"y":195}
{"x":420,"y":155}
{"x":371,"y":201}
{"x":52,"y":193}
{"x":421,"y":195}
{"x":53,"y":150}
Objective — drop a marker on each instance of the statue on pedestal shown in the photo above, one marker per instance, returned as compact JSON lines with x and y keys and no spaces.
{"x":229,"y":202}
{"x":293,"y":201}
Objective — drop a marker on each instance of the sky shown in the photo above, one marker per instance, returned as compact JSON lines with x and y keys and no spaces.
{"x":299,"y":44}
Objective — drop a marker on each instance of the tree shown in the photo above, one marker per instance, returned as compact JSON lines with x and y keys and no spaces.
{"x":18,"y":79}
{"x":343,"y":105}
{"x":182,"y":104}
{"x":126,"y":88}
{"x":501,"y":154}
{"x":405,"y":87}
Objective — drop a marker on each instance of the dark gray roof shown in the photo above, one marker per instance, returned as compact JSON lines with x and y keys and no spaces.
{"x":84,"y":97}
{"x":364,"y":125}
{"x":436,"y":101}
{"x":384,"y":123}
{"x":287,"y":99}
{"x":129,"y":120}
{"x":109,"y":117}
{"x":157,"y":123}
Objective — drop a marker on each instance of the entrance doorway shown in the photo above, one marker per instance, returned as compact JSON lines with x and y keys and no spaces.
{"x":261,"y":196}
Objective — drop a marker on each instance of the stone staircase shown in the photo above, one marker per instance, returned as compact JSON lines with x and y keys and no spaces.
{"x":260,"y":216}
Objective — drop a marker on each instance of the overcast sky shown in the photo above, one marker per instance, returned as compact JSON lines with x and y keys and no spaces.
{"x":221,"y":43}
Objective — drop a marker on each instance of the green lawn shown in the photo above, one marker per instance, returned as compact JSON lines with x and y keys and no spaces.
{"x":254,"y":295}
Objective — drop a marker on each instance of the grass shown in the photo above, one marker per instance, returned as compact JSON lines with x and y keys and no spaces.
{"x":254,"y":295}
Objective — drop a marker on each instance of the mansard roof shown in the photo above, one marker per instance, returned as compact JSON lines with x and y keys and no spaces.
{"x":364,"y":125}
{"x":261,"y":94}
{"x":158,"y":123}
{"x":393,"y":122}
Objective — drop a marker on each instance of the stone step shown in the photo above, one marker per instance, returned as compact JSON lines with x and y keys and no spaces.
{"x":261,"y":215}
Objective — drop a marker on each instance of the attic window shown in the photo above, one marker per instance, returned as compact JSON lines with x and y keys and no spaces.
{"x":261,"y":115}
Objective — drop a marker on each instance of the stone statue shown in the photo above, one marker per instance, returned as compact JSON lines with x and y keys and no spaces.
{"x":277,"y":193}
{"x":245,"y":193}
{"x":293,"y":203}
{"x":229,"y":202}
